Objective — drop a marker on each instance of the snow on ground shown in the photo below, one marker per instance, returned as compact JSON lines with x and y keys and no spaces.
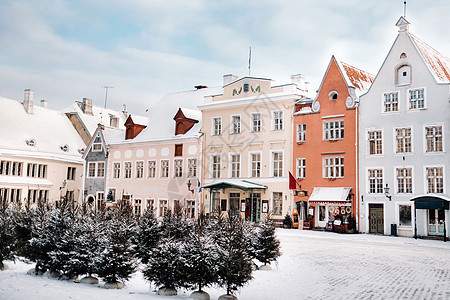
{"x":313,"y":265}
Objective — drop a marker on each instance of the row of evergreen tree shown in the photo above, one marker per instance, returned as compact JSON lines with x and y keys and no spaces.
{"x":175,"y":253}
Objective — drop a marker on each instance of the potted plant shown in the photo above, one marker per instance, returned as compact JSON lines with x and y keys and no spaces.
{"x":287,"y":222}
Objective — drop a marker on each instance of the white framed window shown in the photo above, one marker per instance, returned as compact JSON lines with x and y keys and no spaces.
{"x":277,"y":120}
{"x":404,"y":215}
{"x":235,"y":165}
{"x":333,"y":167}
{"x":111,"y":196}
{"x":178,"y":168}
{"x":375,"y":181}
{"x":216,"y":126}
{"x":215,"y":165}
{"x":277,"y":203}
{"x":416,"y":98}
{"x":256,"y":119}
{"x":235,"y":124}
{"x":12,"y":168}
{"x":301,"y":167}
{"x":150,"y":204}
{"x":301,"y":133}
{"x":190,"y":208}
{"x":277,"y":164}
{"x":163,"y":206}
{"x":333,"y":130}
{"x":433,"y":138}
{"x":151,"y":169}
{"x":404,"y":177}
{"x":97,"y":147}
{"x":192,"y":167}
{"x":137,"y":207}
{"x":91,"y":169}
{"x":390,"y":102}
{"x":70,"y":172}
{"x":116,"y":170}
{"x":434,"y":179}
{"x":255,"y":164}
{"x":139,"y":169}
{"x":375,"y":142}
{"x":164,"y":168}
{"x":101,"y":169}
{"x":403,"y":140}
{"x":127,"y":171}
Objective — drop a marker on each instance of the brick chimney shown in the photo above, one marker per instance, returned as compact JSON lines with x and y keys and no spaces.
{"x":28,"y":101}
{"x":44,"y":103}
{"x":229,"y":78}
{"x":87,"y":106}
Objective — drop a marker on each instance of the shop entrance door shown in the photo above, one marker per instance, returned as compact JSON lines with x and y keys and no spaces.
{"x":253,"y":208}
{"x":376,"y":218}
{"x":436,"y":222}
{"x":322,"y":216}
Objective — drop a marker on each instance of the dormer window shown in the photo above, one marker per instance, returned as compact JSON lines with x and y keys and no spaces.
{"x":30,"y":142}
{"x":97,"y":147}
{"x":65,"y":148}
{"x":333,"y":95}
{"x":403,"y":55}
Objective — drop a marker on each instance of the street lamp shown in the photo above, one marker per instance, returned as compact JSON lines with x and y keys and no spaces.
{"x":386,"y":192}
{"x":189,"y":186}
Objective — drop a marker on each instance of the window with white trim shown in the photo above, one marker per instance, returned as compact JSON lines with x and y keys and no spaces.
{"x":96,"y":147}
{"x":163,"y":206}
{"x":151,"y":169}
{"x":139,"y":169}
{"x":36,"y":170}
{"x":164,"y":168}
{"x":391,"y":102}
{"x":215,"y":165}
{"x":277,"y":203}
{"x":333,"y":130}
{"x":178,"y":168}
{"x":256,"y":121}
{"x":404,"y":215}
{"x":404,"y":180}
{"x":376,"y":181}
{"x":301,"y":133}
{"x":277,"y":117}
{"x":277,"y":164}
{"x":333,"y":167}
{"x":255,"y":160}
{"x":375,"y":140}
{"x":91,"y":169}
{"x":403,"y":140}
{"x":190,"y":209}
{"x":416,"y":99}
{"x":192,"y":167}
{"x":100,"y":169}
{"x":235,"y":165}
{"x":301,"y":167}
{"x":137,"y":207}
{"x":435,"y":180}
{"x":433,"y":136}
{"x":116,"y":170}
{"x":235,"y":124}
{"x":150,"y":204}
{"x":127,"y":170}
{"x":71,"y":173}
{"x":217,"y":126}
{"x":11,"y":168}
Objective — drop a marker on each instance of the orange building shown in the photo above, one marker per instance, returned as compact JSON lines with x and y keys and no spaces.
{"x":326,"y":147}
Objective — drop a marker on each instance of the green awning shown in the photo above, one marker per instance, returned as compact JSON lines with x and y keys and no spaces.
{"x":431,"y":201}
{"x":239,"y":184}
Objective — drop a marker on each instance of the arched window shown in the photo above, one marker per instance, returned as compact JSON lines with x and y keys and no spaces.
{"x":333,"y":95}
{"x":403,"y":75}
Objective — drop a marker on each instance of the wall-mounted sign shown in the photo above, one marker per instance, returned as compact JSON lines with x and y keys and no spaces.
{"x":265,"y":206}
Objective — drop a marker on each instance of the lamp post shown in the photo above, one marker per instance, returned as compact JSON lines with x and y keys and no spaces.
{"x":189,"y":184}
{"x":386,"y":192}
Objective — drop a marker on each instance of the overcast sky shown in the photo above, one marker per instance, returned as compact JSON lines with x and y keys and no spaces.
{"x":66,"y":50}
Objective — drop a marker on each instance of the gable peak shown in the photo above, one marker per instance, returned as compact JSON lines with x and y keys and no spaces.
{"x":402,"y":24}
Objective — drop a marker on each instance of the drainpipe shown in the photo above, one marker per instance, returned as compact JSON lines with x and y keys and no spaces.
{"x":357,"y":169}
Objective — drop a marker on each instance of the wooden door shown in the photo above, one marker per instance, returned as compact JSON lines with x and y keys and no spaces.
{"x":376,"y":218}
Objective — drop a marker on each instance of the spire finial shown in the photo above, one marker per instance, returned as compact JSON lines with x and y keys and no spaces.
{"x":404,"y":9}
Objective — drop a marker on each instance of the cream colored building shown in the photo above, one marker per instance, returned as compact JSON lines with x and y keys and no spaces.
{"x":247,"y":147}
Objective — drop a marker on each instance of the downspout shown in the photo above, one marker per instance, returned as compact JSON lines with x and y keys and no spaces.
{"x":357,"y":169}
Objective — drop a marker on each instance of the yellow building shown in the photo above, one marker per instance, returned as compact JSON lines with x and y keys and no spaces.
{"x":247,"y":147}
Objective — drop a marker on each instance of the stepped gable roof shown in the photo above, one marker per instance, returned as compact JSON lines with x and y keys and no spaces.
{"x":46,"y":133}
{"x":437,"y":63}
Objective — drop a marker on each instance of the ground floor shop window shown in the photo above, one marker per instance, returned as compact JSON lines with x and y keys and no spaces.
{"x":137,"y":207}
{"x":234,"y":202}
{"x":215,"y":201}
{"x":190,"y":208}
{"x":277,"y":203}
{"x":404,"y":215}
{"x":163,"y":206}
{"x":322,"y":212}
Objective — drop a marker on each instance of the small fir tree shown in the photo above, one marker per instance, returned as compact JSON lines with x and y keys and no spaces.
{"x":6,"y":232}
{"x":148,"y":235}
{"x":23,"y":224}
{"x":268,"y":246}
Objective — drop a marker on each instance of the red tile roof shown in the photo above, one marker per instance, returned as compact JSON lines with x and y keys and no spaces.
{"x":358,"y":78}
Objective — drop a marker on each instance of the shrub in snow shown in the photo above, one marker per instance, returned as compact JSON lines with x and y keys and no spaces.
{"x":117,"y":261}
{"x":6,"y":233}
{"x":267,"y":246}
{"x":201,"y":256}
{"x":148,"y":235}
{"x":234,"y":262}
{"x":287,"y":222}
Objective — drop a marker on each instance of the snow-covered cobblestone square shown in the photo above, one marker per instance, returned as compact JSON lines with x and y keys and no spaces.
{"x":314,"y":265}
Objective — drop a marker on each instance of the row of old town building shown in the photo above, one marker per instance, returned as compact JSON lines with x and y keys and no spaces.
{"x":366,"y":153}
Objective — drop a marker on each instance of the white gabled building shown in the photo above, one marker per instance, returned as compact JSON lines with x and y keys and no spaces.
{"x":40,"y":153}
{"x":404,"y":142}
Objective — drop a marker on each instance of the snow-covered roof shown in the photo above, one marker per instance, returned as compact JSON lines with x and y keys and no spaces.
{"x":160,"y":122}
{"x":357,"y":78}
{"x":112,"y":135}
{"x":438,"y":64}
{"x":45,"y":133}
{"x":101,"y":115}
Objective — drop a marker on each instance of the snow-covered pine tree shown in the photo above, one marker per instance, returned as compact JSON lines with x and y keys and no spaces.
{"x":118,"y":255}
{"x":6,"y":232}
{"x":268,"y":246}
{"x":235,"y":265}
{"x":176,"y":225}
{"x":148,"y":235}
{"x":201,"y":255}
{"x":23,"y":223}
{"x":39,"y":244}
